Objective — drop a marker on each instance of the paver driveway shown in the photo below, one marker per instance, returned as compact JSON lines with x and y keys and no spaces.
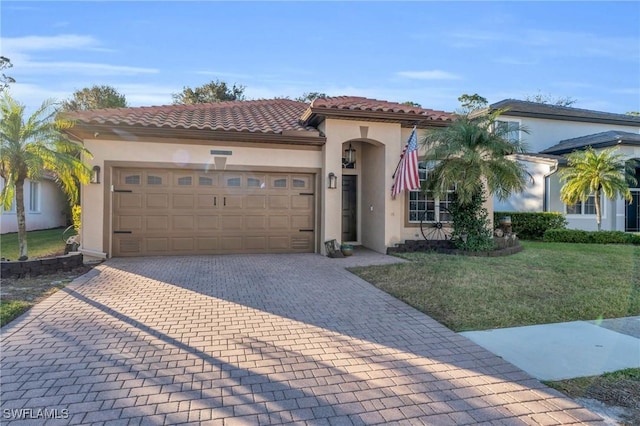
{"x":262,"y":339}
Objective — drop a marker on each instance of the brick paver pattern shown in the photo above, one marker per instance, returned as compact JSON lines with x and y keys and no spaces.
{"x":258,"y":339}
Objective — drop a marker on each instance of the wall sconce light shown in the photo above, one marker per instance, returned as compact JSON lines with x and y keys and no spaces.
{"x":333,"y":181}
{"x":349,"y":157}
{"x":95,"y":178}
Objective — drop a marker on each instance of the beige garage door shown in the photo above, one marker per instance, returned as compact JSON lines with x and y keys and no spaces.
{"x":170,"y":212}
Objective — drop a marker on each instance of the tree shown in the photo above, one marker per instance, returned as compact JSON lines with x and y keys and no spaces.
{"x":472,"y":102}
{"x":214,"y":91}
{"x":309,"y":97}
{"x":595,"y":173}
{"x":541,"y":98}
{"x":30,"y":148}
{"x":412,"y":104}
{"x":634,"y":113}
{"x":471,"y":155}
{"x":95,"y":97}
{"x":5,"y":80}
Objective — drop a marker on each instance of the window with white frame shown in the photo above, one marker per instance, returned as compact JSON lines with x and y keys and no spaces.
{"x":424,"y":204}
{"x":34,"y":197}
{"x":511,"y":129}
{"x":583,"y":207}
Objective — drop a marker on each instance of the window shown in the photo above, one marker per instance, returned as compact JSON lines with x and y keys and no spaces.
{"x":205,"y":181}
{"x":421,"y":202}
{"x":280,"y":183}
{"x":510,"y":130}
{"x":34,"y":197}
{"x":254,"y":183}
{"x":132,"y":180}
{"x":154,"y":180}
{"x":235,"y":181}
{"x":184,"y":181}
{"x":586,"y":207}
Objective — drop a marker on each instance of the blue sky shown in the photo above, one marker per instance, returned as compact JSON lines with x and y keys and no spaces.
{"x":426,"y":52}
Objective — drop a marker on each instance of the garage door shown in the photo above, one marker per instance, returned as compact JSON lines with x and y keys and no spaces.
{"x":170,"y":212}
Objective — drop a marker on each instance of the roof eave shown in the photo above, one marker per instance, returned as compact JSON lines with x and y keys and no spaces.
{"x":314,"y":116}
{"x":85,"y":131}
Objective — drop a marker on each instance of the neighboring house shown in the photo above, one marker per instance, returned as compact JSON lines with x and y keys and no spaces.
{"x":45,"y":207}
{"x":554,"y":132}
{"x":265,"y":176}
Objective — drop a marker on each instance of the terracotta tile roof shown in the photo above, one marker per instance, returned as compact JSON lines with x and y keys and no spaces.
{"x":356,"y":103}
{"x":261,"y":116}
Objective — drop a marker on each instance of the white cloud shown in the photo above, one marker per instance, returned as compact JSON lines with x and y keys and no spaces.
{"x":36,"y":43}
{"x":89,"y":68}
{"x":429,"y":75}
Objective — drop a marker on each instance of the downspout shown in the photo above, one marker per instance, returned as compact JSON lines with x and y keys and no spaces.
{"x":547,"y":186}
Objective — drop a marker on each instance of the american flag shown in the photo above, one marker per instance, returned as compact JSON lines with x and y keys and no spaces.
{"x":407,"y":176}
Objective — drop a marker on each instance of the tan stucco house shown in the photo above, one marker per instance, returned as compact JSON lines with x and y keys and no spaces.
{"x":264,"y":176}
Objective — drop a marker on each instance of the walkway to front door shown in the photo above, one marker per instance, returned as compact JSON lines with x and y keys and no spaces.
{"x":255,"y":339}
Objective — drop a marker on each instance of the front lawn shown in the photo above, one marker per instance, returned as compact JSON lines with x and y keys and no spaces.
{"x":545,"y":283}
{"x":39,"y":244}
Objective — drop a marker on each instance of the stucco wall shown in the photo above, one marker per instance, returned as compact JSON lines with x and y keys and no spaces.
{"x":532,"y":198}
{"x":378,"y":147}
{"x":52,"y":209}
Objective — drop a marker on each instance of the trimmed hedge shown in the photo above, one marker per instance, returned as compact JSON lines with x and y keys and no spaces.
{"x":532,"y":226}
{"x":590,"y":237}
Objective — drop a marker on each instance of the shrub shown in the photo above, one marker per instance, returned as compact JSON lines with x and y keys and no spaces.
{"x":590,"y":237}
{"x":532,"y":226}
{"x":76,"y":215}
{"x":471,"y":227}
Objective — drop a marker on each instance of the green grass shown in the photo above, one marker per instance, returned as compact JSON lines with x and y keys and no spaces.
{"x":10,"y":309}
{"x":39,"y":244}
{"x":545,"y":283}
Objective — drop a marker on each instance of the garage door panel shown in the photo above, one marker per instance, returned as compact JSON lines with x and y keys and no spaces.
{"x":156,"y":245}
{"x":129,"y":223}
{"x":182,"y":244}
{"x":279,"y":242}
{"x":183,"y":223}
{"x":157,"y":201}
{"x":207,"y":244}
{"x":208,"y":223}
{"x":256,"y":202}
{"x":124,"y":200}
{"x":230,"y":244}
{"x":190,"y":212}
{"x":232,"y":223}
{"x":301,"y":222}
{"x":157,"y":223}
{"x":256,"y":223}
{"x":257,"y":243}
{"x":302,"y":202}
{"x":183,"y":201}
{"x":207,"y":201}
{"x":131,"y":246}
{"x":279,"y":222}
{"x":279,"y":202}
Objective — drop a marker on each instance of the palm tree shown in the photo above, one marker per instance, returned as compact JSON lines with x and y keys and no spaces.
{"x":595,"y":173}
{"x":30,"y":148}
{"x":472,"y":155}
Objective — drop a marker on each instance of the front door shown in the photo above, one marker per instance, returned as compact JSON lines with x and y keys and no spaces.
{"x":633,"y":212}
{"x":349,"y":208}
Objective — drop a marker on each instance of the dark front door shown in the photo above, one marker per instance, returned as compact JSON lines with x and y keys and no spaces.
{"x":633,"y":213}
{"x":349,"y":208}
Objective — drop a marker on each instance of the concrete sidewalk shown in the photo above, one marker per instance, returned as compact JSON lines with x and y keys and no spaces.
{"x":566,"y":350}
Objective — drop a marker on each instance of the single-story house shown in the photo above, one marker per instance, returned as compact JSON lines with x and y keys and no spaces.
{"x":46,"y":207}
{"x":555,"y":131}
{"x":263,"y":176}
